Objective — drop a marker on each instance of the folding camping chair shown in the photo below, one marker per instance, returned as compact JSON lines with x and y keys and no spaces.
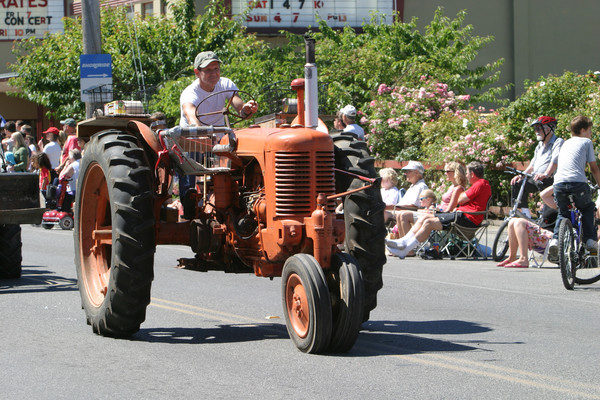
{"x":462,"y":241}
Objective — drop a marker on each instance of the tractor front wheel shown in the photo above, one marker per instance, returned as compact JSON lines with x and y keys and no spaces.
{"x":114,"y":233}
{"x":306,"y":303}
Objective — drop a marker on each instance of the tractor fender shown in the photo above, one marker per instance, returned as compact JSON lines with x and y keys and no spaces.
{"x":150,"y":137}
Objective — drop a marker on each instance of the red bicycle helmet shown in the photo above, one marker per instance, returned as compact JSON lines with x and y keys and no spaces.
{"x":544,"y":121}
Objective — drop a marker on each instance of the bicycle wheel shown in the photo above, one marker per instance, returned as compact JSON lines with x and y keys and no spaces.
{"x":567,"y":253}
{"x":587,"y":272}
{"x":500,"y":246}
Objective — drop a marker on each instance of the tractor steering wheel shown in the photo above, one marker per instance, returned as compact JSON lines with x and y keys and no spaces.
{"x":228,"y":111}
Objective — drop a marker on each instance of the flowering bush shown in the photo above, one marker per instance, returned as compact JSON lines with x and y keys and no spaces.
{"x":431,"y":124}
{"x":471,"y":135}
{"x":395,"y":118}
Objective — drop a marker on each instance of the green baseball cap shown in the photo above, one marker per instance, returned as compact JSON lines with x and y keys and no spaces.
{"x":69,"y":121}
{"x":203,"y":59}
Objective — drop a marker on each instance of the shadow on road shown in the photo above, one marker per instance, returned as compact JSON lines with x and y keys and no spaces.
{"x":222,"y":334}
{"x":399,"y":337}
{"x":37,"y":280}
{"x":441,"y":327}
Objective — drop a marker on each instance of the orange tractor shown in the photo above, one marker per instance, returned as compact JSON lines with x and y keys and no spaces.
{"x":266,"y":205}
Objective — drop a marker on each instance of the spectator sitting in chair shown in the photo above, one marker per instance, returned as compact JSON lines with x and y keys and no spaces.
{"x":524,"y":235}
{"x":389,"y":189}
{"x":456,"y":175}
{"x":413,"y":172}
{"x":427,"y":207}
{"x":348,"y":115}
{"x":474,"y":199}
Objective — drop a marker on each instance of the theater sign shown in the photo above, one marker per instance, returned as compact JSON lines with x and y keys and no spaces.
{"x":273,"y":15}
{"x":21,"y":19}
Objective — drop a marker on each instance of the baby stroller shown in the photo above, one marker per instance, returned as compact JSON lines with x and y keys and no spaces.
{"x":61,"y":207}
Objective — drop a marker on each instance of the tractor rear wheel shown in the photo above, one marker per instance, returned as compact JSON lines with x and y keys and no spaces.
{"x":347,"y":296}
{"x":10,"y":251}
{"x":114,"y":233}
{"x":363,"y":214}
{"x":306,"y":303}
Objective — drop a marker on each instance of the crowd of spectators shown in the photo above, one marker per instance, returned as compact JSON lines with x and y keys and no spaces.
{"x":557,"y":169}
{"x":54,"y":157}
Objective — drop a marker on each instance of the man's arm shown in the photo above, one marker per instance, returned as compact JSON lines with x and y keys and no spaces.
{"x":245,"y":109}
{"x":528,"y":170}
{"x":189,"y":110}
{"x":462,"y":199}
{"x":549,"y":171}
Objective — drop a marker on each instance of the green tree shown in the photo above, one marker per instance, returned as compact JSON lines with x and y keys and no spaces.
{"x":48,"y":69}
{"x":397,"y":54}
{"x":352,"y":64}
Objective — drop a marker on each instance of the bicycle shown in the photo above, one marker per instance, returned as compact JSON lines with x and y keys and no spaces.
{"x":577,"y":264}
{"x":500,"y":246}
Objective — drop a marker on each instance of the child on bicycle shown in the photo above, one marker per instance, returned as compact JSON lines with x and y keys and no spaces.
{"x":570,"y":179}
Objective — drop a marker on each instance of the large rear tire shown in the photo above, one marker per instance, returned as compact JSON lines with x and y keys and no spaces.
{"x":306,"y":303}
{"x":500,"y":246}
{"x":347,"y":296}
{"x":114,"y":233}
{"x":363,"y":214}
{"x":567,"y":253}
{"x":10,"y":251}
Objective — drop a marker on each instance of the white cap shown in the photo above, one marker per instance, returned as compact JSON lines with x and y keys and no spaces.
{"x":414,"y":165}
{"x":349,"y":111}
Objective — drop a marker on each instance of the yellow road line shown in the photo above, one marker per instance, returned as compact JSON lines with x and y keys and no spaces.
{"x":201,"y":311}
{"x":505,"y":377}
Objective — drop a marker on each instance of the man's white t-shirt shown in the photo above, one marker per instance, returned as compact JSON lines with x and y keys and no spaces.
{"x":194,"y":94}
{"x":356,"y":129}
{"x":411,"y":197}
{"x":53,"y":150}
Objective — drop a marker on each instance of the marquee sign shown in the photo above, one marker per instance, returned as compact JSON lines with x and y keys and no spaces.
{"x":21,"y":19}
{"x":286,"y":14}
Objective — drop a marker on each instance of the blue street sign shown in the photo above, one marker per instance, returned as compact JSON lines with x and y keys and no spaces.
{"x":95,"y":71}
{"x":95,"y":66}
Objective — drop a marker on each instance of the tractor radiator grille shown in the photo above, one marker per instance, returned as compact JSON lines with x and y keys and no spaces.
{"x":299,"y":178}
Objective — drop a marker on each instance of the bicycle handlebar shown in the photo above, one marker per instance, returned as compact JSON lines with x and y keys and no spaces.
{"x":514,"y":171}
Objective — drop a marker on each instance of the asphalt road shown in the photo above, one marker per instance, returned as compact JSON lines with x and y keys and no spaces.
{"x":442,"y":330}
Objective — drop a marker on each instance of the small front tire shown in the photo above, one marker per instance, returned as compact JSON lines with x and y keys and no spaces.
{"x":306,"y":303}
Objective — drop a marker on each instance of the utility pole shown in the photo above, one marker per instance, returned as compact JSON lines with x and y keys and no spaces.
{"x":92,"y":43}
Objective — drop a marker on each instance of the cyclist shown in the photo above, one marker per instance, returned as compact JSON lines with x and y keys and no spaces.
{"x":543,"y":163}
{"x":570,"y":179}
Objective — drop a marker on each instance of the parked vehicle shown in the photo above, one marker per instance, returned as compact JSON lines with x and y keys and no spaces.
{"x":19,"y":204}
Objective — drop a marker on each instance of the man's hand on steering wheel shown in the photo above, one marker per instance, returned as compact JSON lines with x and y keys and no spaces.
{"x":248,"y":109}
